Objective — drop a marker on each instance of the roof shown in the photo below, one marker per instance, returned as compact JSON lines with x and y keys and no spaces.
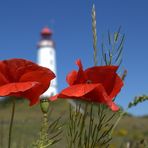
{"x":46,"y":31}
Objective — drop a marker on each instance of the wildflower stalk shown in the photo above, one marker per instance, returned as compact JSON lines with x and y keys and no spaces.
{"x":11,"y":122}
{"x":94,"y":30}
{"x":103,"y":125}
{"x":80,"y":135}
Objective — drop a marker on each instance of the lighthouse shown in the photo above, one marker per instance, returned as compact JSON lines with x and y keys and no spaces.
{"x":46,"y":57}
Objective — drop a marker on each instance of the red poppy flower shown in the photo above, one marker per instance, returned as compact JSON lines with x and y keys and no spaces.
{"x":96,"y":84}
{"x":23,"y":78}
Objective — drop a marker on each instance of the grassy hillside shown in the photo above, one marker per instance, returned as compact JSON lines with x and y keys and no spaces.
{"x":28,"y":121}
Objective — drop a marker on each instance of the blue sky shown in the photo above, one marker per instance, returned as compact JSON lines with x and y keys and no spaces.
{"x":70,"y":20}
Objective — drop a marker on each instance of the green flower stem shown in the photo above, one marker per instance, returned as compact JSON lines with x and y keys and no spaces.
{"x":90,"y":125}
{"x":43,"y":140}
{"x":11,"y":122}
{"x":45,"y":119}
{"x":82,"y":126}
{"x":45,"y":126}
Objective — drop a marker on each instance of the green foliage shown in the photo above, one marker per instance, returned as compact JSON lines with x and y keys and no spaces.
{"x":113,"y":48}
{"x":111,"y":55}
{"x":138,"y":100}
{"x":91,"y":129}
{"x":27,"y":125}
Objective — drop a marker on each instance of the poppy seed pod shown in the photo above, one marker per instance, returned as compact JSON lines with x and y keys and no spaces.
{"x":44,"y":104}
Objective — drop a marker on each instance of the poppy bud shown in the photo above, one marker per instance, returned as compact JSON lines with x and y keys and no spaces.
{"x":44,"y":104}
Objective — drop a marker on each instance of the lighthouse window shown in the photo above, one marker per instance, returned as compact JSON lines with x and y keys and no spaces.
{"x":51,"y":52}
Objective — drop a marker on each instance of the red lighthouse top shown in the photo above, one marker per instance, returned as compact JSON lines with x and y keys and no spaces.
{"x":46,"y":40}
{"x":46,"y":32}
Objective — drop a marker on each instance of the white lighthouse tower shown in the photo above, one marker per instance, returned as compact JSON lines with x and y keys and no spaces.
{"x":46,"y":57}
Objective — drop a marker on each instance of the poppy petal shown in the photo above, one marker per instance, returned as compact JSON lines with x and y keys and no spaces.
{"x":71,"y":77}
{"x":98,"y":74}
{"x":113,"y":106}
{"x":16,"y":88}
{"x":77,"y":91}
{"x":106,"y":75}
{"x":14,"y":68}
{"x":97,"y":95}
{"x":79,"y":63}
{"x":4,"y":70}
{"x":81,"y":78}
{"x":33,"y":94}
{"x":3,"y":79}
{"x":43,"y":77}
{"x":118,"y":84}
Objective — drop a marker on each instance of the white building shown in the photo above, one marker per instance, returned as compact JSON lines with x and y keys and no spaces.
{"x":46,"y":56}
